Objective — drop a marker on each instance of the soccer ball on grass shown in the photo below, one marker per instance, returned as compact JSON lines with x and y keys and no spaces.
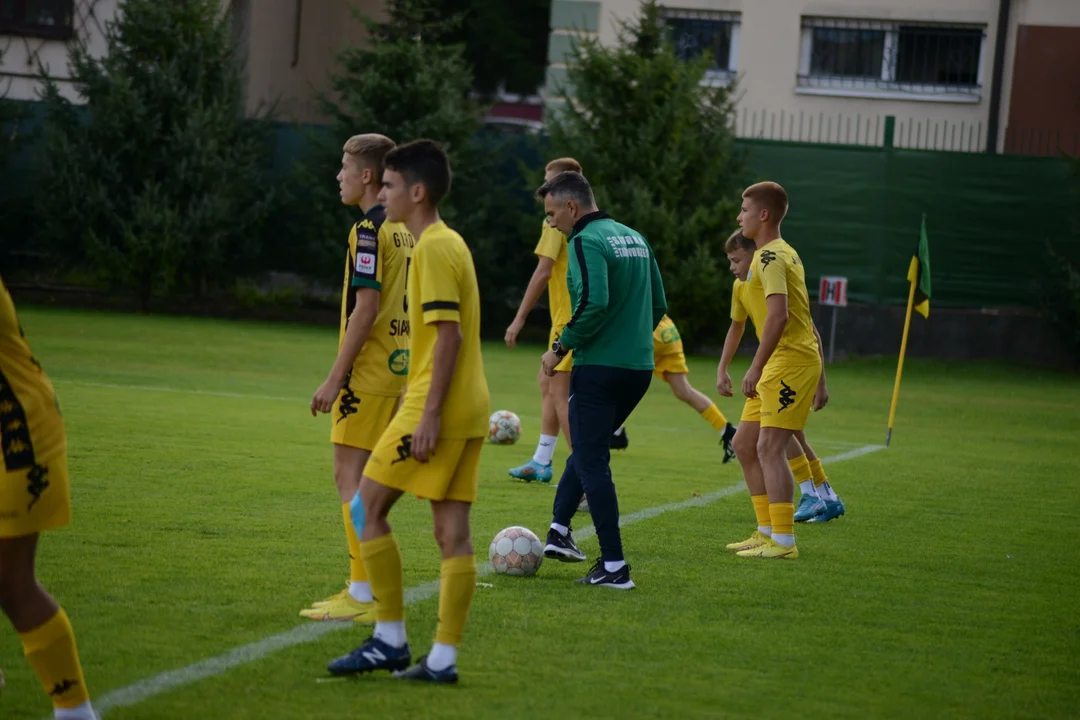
{"x":504,"y":428}
{"x":516,"y":551}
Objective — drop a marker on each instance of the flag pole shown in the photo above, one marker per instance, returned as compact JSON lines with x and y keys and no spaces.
{"x":913,"y":274}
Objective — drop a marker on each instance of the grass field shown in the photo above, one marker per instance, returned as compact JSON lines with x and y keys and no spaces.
{"x":205,"y":519}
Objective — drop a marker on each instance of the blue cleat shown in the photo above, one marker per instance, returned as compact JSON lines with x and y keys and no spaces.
{"x":810,"y":506}
{"x":833,"y":510}
{"x":532,"y":471}
{"x":421,"y":671}
{"x":373,"y":655}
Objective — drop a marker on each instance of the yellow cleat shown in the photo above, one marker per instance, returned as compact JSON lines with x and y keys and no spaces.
{"x":332,"y":599}
{"x":772,"y":551}
{"x":754,"y":541}
{"x":343,"y":609}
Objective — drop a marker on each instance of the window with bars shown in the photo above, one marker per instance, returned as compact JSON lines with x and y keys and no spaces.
{"x":38,"y":18}
{"x":699,"y":32}
{"x":901,"y":57}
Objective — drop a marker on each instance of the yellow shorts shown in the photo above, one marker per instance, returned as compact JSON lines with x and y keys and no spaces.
{"x":452,"y":473}
{"x":359,"y":419}
{"x":751,"y":410}
{"x":674,"y":363}
{"x":36,"y":499}
{"x":786,"y":394}
{"x":567,"y":363}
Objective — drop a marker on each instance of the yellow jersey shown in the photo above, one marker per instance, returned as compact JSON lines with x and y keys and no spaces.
{"x":748,"y":304}
{"x":379,"y":256}
{"x":31,"y":427}
{"x":666,"y":339}
{"x":442,"y":288}
{"x":553,"y":245}
{"x":777,"y":270}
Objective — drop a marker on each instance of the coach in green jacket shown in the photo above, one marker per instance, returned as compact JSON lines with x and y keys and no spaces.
{"x":618,"y":300}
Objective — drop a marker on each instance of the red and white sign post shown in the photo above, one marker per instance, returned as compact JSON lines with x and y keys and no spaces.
{"x":832,"y":292}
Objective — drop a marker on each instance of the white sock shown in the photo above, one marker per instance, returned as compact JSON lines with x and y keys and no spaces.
{"x":361,"y":591}
{"x":765,"y":530}
{"x":618,"y":432}
{"x":441,"y":656}
{"x":784,"y":539}
{"x":825,"y":492}
{"x":391,"y":633}
{"x":561,"y":529}
{"x":83,"y":712}
{"x":545,"y":449}
{"x":614,"y":566}
{"x":807,"y":487}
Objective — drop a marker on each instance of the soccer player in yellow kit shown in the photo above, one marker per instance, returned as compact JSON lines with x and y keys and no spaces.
{"x":550,"y":270}
{"x":787,"y":367}
{"x":804,"y":463}
{"x":432,"y":447}
{"x":34,"y":497}
{"x":363,"y":387}
{"x":671,"y":368}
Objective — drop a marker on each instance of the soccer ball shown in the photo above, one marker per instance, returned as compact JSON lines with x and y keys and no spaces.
{"x":504,"y":427}
{"x":516,"y":551}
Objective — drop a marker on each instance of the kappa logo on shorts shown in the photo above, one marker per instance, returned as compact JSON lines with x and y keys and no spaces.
{"x":37,"y":482}
{"x":787,"y":397}
{"x":404,"y":450}
{"x":349,"y":404}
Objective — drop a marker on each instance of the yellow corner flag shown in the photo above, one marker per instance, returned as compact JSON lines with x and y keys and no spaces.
{"x":919,"y":300}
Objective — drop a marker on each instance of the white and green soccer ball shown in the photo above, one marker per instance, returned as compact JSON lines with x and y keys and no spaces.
{"x":516,"y":551}
{"x":504,"y":428}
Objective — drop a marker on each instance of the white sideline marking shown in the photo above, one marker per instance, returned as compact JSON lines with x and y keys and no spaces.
{"x":173,"y":679}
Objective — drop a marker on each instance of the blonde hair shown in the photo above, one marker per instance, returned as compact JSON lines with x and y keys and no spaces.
{"x":738,"y":241}
{"x":370,"y":149}
{"x":770,"y":196}
{"x":566,"y":164}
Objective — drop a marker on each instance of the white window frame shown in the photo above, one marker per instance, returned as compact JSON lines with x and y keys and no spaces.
{"x":713,"y":78}
{"x":807,"y":84}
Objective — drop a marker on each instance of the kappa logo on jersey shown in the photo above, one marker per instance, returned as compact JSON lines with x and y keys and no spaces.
{"x":767,"y":256}
{"x":365,"y":263}
{"x":787,"y":397}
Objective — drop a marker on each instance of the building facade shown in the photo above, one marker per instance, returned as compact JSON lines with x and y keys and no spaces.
{"x":952,"y":74}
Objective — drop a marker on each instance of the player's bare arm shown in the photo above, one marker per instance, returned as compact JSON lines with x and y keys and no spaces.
{"x":821,"y":395}
{"x":356,"y":334}
{"x":537,"y":284}
{"x":775,"y":322}
{"x":731,"y":344}
{"x":447,"y":344}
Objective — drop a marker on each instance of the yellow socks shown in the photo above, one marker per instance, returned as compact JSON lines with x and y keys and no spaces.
{"x":455,"y":596}
{"x":800,"y":468}
{"x":818,"y":472}
{"x":761,"y":511}
{"x":357,"y":573}
{"x":783,"y":523}
{"x":382,"y":559}
{"x":714,"y":417}
{"x":51,"y":651}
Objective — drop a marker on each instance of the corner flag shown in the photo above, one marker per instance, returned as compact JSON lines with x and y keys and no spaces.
{"x":919,"y":300}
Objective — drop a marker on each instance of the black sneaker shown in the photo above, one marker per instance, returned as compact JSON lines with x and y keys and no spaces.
{"x":374,"y":654}
{"x":562,"y":547}
{"x":726,"y":438}
{"x":421,"y":671}
{"x":620,"y":440}
{"x":619,"y":580}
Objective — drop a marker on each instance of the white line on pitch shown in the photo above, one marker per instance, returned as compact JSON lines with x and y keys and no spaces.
{"x":218,"y":665}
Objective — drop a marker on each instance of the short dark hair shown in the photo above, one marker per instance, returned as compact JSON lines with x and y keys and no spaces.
{"x":422,"y":162}
{"x":739,"y":241}
{"x":571,"y":185}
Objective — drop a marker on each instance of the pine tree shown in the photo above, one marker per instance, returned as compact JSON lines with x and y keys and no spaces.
{"x":158,"y":183}
{"x":656,"y":140}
